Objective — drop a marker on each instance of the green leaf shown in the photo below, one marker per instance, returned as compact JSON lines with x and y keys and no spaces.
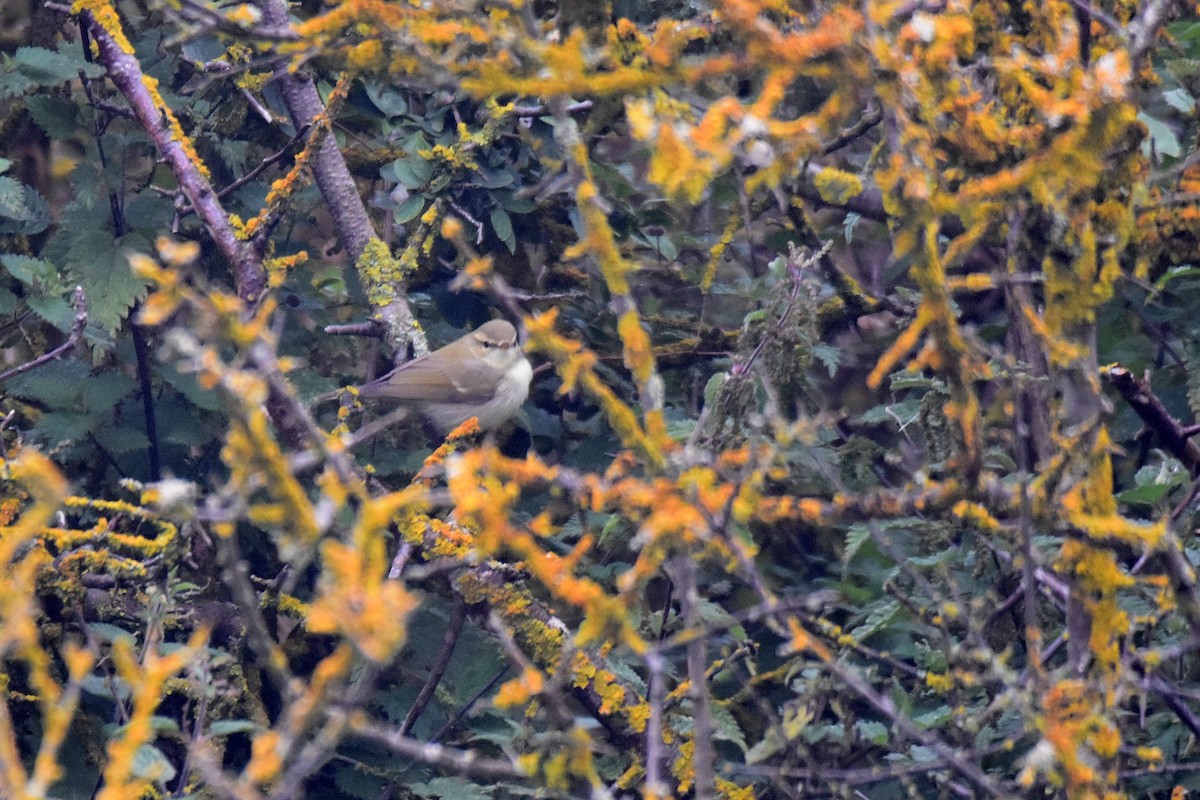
{"x":57,"y":116}
{"x":1149,"y":495}
{"x":882,"y":613}
{"x":120,"y":440}
{"x":409,"y":209}
{"x":1180,"y":100}
{"x":225,"y":727}
{"x":856,"y":537}
{"x":32,"y":68}
{"x":871,"y":731}
{"x":31,"y":271}
{"x":150,"y":764}
{"x":771,"y":744}
{"x":1162,"y":139}
{"x":85,"y":248}
{"x":53,"y":309}
{"x":488,"y":178}
{"x":109,"y":687}
{"x":725,"y":726}
{"x":933,"y":718}
{"x":107,"y":632}
{"x":829,"y":355}
{"x":450,"y":789}
{"x":413,"y":170}
{"x":354,"y":782}
{"x":68,"y":385}
{"x":22,"y":209}
{"x":502,"y":225}
{"x":387,"y":99}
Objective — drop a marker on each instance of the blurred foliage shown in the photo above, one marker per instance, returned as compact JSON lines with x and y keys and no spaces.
{"x":819,"y":491}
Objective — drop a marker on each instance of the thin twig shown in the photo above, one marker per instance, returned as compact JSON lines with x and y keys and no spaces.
{"x":539,"y":110}
{"x":467,"y":706}
{"x":371,"y":328}
{"x":266,"y":162}
{"x":1144,"y":28}
{"x":76,"y":336}
{"x":656,"y":786}
{"x":460,"y":762}
{"x":457,"y":617}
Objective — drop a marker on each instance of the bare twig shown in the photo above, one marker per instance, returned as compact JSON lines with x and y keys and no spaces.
{"x":538,"y":110}
{"x":656,"y":785}
{"x":462,"y":212}
{"x":355,"y":329}
{"x":156,"y":120}
{"x":75,"y":337}
{"x":460,"y":762}
{"x":1144,"y":28}
{"x":457,"y":617}
{"x":872,"y":117}
{"x":1154,"y":414}
{"x":467,"y":706}
{"x":703,"y":755}
{"x":337,"y":185}
{"x":266,"y":162}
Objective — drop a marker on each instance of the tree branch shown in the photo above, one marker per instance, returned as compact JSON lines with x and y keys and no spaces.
{"x":161,"y":126}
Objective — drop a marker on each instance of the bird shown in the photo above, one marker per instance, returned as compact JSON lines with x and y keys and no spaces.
{"x":483,"y":374}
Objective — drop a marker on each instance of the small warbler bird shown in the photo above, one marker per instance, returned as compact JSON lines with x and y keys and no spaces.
{"x":484,"y":374}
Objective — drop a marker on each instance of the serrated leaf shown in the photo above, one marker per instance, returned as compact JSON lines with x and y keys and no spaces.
{"x":627,"y":674}
{"x":57,"y":116}
{"x":880,"y":615}
{"x":31,"y":68}
{"x":912,"y":380}
{"x":828,"y":355}
{"x":69,"y":384}
{"x":53,"y":309}
{"x":22,"y":209}
{"x":856,"y":536}
{"x":111,"y":286}
{"x":1149,"y":495}
{"x":85,"y":249}
{"x":30,"y":271}
{"x":187,"y":385}
{"x":353,"y":781}
{"x":934,"y":718}
{"x":451,"y":789}
{"x":120,"y":439}
{"x":725,"y":727}
{"x":766,"y":747}
{"x":871,"y":731}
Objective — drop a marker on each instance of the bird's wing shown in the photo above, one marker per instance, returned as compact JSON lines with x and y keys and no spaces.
{"x":422,"y":379}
